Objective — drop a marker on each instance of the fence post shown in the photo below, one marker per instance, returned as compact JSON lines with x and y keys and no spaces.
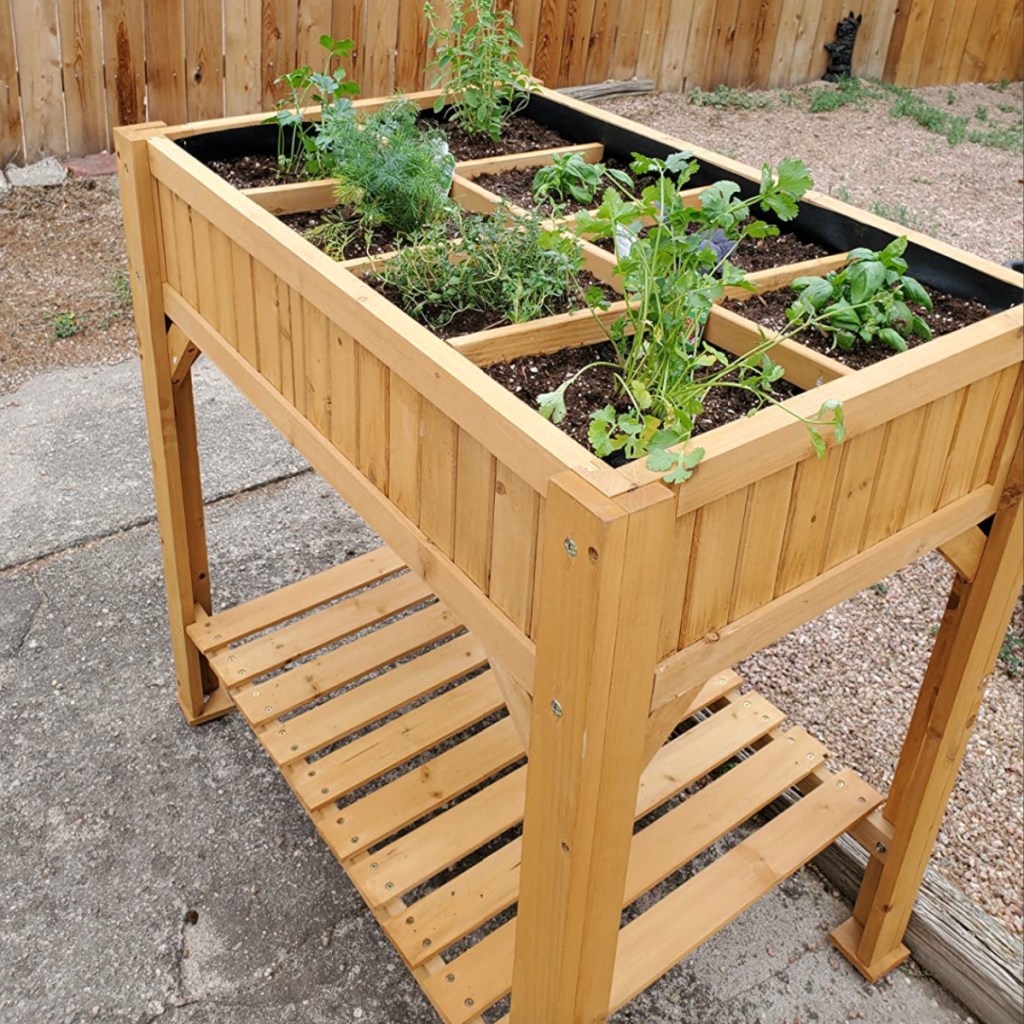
{"x":603,"y":569}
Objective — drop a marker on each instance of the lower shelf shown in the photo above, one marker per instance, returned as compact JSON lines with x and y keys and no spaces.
{"x":384,"y":718}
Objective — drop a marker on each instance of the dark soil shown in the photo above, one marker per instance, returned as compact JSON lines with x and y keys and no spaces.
{"x":252,"y":171}
{"x":949,"y":314}
{"x":473,"y":320}
{"x":530,"y":376}
{"x":379,"y":239}
{"x":760,"y":253}
{"x":517,"y":187}
{"x":521,"y":135}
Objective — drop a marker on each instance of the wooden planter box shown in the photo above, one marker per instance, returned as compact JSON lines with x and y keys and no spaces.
{"x":598,"y":606}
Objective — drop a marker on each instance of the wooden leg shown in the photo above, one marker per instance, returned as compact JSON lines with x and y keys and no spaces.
{"x":592,"y":693}
{"x":170,"y":418}
{"x":966,"y":648}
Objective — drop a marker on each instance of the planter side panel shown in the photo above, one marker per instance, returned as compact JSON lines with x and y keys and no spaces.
{"x":763,"y":541}
{"x":470,"y":505}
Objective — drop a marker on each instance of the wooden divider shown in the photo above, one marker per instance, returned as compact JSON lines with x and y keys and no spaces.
{"x":71,"y":72}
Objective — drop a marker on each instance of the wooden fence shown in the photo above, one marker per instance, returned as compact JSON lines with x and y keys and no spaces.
{"x":70,"y":70}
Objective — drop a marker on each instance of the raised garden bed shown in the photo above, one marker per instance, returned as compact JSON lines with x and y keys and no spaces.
{"x":606,"y":606}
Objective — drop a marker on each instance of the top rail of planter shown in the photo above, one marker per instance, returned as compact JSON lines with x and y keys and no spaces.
{"x":453,"y":470}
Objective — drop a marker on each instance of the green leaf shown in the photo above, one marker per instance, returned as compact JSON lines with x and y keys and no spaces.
{"x":914,"y":291}
{"x":893,"y":339}
{"x":817,"y":442}
{"x":896,"y":248}
{"x":816,"y":290}
{"x":794,"y":177}
{"x":552,"y":404}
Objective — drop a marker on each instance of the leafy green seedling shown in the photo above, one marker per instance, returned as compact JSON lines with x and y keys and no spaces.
{"x":568,"y":176}
{"x":299,"y":149}
{"x":65,"y":324}
{"x":483,"y":81}
{"x":867,"y":301}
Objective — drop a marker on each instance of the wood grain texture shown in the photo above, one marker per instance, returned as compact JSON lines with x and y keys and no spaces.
{"x":124,"y":61}
{"x":204,"y":60}
{"x":10,"y":104}
{"x":39,"y":76}
{"x":165,"y":62}
{"x":82,"y":70}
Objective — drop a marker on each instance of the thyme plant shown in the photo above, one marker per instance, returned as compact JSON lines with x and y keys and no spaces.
{"x":517,"y":269}
{"x":672,"y":273}
{"x":484,"y":82}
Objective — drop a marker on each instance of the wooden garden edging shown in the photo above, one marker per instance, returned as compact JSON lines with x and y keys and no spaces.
{"x":582,"y":612}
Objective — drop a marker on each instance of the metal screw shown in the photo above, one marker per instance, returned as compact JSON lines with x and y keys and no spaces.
{"x":311,"y":774}
{"x":268,"y":708}
{"x":570,"y":547}
{"x":373,"y":866}
{"x":341,"y":821}
{"x":764,"y":718}
{"x":881,"y":848}
{"x":789,"y":739}
{"x":722,"y":682}
{"x":295,"y":746}
{"x":255,"y":693}
{"x":746,"y":703}
{"x":810,"y":757}
{"x":469,"y":1002}
{"x":410,"y":920}
{"x":389,"y":886}
{"x":325,"y":791}
{"x":556,"y":709}
{"x":840,"y":783}
{"x":427,"y":943}
{"x":450,"y":978}
{"x":355,"y":839}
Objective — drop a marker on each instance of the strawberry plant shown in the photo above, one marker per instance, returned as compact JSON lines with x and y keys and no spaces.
{"x":867,"y":301}
{"x":483,"y":81}
{"x":672,"y":274}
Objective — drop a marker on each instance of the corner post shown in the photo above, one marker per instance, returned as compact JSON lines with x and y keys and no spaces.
{"x":968,"y":642}
{"x":170,"y":419}
{"x":603,"y":569}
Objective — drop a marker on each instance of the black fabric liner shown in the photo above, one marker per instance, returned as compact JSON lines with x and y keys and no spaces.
{"x":833,"y":230}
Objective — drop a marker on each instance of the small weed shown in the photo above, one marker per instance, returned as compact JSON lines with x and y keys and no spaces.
{"x":981,"y":114}
{"x":902,"y":214}
{"x":881,"y":588}
{"x":65,"y":324}
{"x":723,"y":97}
{"x":1001,"y":86}
{"x":846,"y":91}
{"x":1011,"y":654}
{"x":842,"y":193}
{"x":121,"y":286}
{"x":1006,"y":108}
{"x":955,"y":128}
{"x":951,"y":97}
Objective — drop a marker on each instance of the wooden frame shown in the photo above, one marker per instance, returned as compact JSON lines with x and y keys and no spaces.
{"x":582,"y":613}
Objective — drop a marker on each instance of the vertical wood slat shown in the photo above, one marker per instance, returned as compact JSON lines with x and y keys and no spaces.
{"x":278,"y":26}
{"x":42,"y":103}
{"x":439,"y":445}
{"x":165,"y":62}
{"x":514,"y":546}
{"x":204,"y":60}
{"x":10,"y":104}
{"x":124,"y":60}
{"x":474,"y":509}
{"x":316,"y":359}
{"x":243,"y":82}
{"x":82,"y":67}
{"x":344,"y":391}
{"x":372,"y":404}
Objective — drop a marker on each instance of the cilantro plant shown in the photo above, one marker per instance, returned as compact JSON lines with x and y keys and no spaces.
{"x":516,"y":269}
{"x":392,"y":170}
{"x":866,"y":301}
{"x":301,"y":150}
{"x":484,"y":82}
{"x":568,"y":176}
{"x":672,"y":274}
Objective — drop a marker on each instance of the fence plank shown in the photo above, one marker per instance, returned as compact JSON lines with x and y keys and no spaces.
{"x":42,"y":104}
{"x":82,"y":65}
{"x":10,"y":106}
{"x":243,"y":78}
{"x":124,"y":57}
{"x":204,"y":60}
{"x":165,"y":61}
{"x":279,"y":21}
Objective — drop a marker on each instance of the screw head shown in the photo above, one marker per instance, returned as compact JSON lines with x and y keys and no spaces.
{"x":840,"y":783}
{"x":570,"y":547}
{"x":556,"y":709}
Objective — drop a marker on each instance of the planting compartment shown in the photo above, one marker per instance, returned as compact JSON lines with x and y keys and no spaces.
{"x":534,"y":606}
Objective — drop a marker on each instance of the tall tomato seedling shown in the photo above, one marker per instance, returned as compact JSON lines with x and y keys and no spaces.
{"x":483,"y":81}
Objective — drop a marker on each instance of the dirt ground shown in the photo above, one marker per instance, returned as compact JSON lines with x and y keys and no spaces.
{"x":63,"y":271}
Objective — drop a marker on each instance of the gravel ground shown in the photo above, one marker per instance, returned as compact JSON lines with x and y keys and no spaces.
{"x":833,"y":674}
{"x":61,"y":251}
